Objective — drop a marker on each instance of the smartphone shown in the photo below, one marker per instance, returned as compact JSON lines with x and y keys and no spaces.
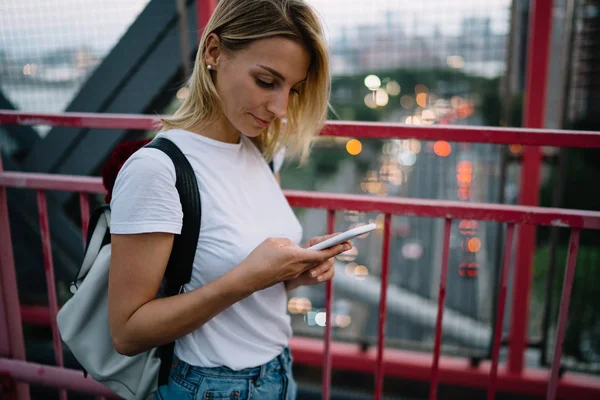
{"x":345,"y":236}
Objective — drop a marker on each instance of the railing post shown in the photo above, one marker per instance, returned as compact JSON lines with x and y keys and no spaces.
{"x":385,"y":268}
{"x":50,"y":280}
{"x":502,"y":289}
{"x":563,"y":316}
{"x":204,"y":9}
{"x":535,"y":97}
{"x":9,"y":292}
{"x":84,"y":210}
{"x":437,"y":345}
{"x":326,"y":377}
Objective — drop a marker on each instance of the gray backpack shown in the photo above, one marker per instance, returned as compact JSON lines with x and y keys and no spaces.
{"x":83,"y":320}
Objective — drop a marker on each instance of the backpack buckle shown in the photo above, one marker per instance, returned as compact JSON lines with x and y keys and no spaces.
{"x":73,"y":288}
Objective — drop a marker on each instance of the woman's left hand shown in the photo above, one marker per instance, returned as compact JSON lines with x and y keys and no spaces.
{"x":321,"y":273}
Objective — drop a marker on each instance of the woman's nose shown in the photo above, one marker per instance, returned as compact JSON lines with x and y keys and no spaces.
{"x":278,"y":105}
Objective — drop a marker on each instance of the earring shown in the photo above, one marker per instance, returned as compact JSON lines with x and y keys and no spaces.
{"x":209,"y":67}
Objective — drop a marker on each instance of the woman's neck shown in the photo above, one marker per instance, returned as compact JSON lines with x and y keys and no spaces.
{"x":221,"y":130}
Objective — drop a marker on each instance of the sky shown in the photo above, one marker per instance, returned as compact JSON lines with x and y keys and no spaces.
{"x":34,"y":25}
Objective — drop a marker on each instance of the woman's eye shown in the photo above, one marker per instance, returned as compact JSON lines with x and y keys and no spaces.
{"x":264,"y":84}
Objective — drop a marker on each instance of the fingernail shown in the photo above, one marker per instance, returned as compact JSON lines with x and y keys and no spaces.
{"x":313,"y":273}
{"x":320,"y":278}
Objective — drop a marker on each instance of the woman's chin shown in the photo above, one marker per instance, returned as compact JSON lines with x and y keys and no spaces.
{"x":253,"y":131}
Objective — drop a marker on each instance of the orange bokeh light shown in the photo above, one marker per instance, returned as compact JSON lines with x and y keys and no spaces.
{"x":354,"y":147}
{"x":474,"y":245}
{"x":442,"y":148}
{"x":464,"y":167}
{"x":515,"y":148}
{"x":464,"y":178}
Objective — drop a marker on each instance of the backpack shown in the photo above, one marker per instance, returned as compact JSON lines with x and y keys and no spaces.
{"x":83,"y":319}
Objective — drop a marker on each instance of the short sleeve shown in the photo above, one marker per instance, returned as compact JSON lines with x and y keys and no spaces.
{"x":144,"y":197}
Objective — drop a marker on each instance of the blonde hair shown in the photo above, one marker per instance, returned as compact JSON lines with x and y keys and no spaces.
{"x":238,"y":23}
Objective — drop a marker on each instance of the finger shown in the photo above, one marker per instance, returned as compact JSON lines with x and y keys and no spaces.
{"x":323,"y":255}
{"x":319,"y":239}
{"x":321,"y":268}
{"x":327,"y":275}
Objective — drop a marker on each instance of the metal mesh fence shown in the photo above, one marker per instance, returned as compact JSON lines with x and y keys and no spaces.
{"x":48,"y":49}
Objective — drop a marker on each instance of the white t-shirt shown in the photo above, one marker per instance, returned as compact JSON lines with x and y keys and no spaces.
{"x":242,"y":205}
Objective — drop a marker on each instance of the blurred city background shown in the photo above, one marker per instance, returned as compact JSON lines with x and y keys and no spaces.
{"x":427,"y":62}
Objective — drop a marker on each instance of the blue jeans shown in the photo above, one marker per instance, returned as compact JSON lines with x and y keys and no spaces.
{"x":270,"y":381}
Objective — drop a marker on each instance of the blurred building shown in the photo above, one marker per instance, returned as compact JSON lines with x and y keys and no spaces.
{"x":387,"y":45}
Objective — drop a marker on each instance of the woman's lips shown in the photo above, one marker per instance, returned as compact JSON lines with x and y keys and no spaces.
{"x":261,"y":122}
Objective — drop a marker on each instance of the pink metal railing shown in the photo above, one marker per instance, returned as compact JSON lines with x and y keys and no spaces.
{"x":440,"y":315}
{"x":50,"y":281}
{"x":510,"y":234}
{"x":436,"y":369}
{"x":396,"y":362}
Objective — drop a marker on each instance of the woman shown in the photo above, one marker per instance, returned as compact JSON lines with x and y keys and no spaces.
{"x":259,"y":61}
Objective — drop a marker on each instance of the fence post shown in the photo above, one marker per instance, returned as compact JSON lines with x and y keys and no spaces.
{"x":9,"y":292}
{"x":535,"y":101}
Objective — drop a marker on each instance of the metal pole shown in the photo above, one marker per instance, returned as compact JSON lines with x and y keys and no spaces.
{"x":326,"y":375}
{"x":561,"y":175}
{"x":183,"y":38}
{"x":204,"y":9}
{"x":535,"y":95}
{"x":9,"y":292}
{"x":504,"y":159}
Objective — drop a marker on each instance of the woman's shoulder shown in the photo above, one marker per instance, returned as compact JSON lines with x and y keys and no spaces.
{"x":148,"y":161}
{"x":147,"y":168}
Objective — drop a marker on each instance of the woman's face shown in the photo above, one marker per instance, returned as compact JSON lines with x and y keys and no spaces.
{"x":255,"y":84}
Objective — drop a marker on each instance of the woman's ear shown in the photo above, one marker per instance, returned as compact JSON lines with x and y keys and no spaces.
{"x":212,"y":51}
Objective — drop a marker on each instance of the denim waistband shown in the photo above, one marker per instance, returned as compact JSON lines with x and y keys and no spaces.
{"x":279,"y":364}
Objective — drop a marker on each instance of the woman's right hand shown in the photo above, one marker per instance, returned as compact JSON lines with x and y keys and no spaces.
{"x":277,"y":260}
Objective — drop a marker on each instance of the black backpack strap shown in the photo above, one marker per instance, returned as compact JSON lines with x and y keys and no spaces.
{"x":180,"y":265}
{"x":272,"y":166}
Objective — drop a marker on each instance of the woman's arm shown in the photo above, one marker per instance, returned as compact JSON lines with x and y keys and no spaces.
{"x":138,"y":320}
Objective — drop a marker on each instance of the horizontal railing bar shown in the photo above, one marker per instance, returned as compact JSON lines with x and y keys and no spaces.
{"x":558,"y":217}
{"x":464,"y":134}
{"x":562,"y":218}
{"x":80,"y":120}
{"x":36,"y":315}
{"x":66,"y":183}
{"x":454,"y":371}
{"x":374,"y":130}
{"x":398,"y":363}
{"x":47,"y":375}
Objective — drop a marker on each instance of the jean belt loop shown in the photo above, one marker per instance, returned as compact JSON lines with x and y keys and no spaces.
{"x":261,"y":374}
{"x":284,"y":360}
{"x":183,"y":368}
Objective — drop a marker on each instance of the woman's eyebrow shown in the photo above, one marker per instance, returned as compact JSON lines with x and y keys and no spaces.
{"x":271,"y":70}
{"x":277,"y":74}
